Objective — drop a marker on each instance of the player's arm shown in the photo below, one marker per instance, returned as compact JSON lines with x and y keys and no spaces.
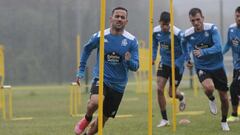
{"x":154,"y":48}
{"x":132,"y":58}
{"x":88,"y":47}
{"x":216,"y":48}
{"x":227,"y":45}
{"x":186,"y":52}
{"x":185,"y":48}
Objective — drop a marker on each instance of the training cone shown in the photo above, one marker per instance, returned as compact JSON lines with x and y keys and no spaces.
{"x":184,"y":121}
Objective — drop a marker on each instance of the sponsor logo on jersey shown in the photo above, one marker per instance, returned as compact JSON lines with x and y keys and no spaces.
{"x":202,"y":46}
{"x":113,"y":58}
{"x":236,"y":41}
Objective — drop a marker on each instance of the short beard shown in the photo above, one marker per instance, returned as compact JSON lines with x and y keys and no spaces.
{"x":118,"y":29}
{"x":238,"y":25}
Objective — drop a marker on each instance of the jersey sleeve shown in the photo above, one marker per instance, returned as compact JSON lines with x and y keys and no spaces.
{"x":88,"y":47}
{"x":154,"y":47}
{"x":216,"y":48}
{"x":133,"y":63}
{"x":228,"y":44}
{"x":185,"y":48}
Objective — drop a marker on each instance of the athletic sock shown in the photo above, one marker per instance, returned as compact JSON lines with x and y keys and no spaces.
{"x":164,"y":115}
{"x":235,"y":114}
{"x":88,"y":118}
{"x":211,"y":97}
{"x":180,"y":97}
{"x":224,"y":119}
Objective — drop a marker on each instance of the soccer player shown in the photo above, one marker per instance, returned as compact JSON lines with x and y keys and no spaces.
{"x":161,"y":37}
{"x":233,"y":41}
{"x":121,"y":55}
{"x":203,"y":40}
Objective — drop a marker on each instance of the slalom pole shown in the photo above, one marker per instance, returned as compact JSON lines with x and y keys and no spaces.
{"x":173,"y":69}
{"x":101,"y":67}
{"x":150,"y":67}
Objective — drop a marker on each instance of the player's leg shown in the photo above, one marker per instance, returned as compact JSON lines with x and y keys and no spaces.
{"x":224,"y":108}
{"x":92,"y":106}
{"x":220,"y":82}
{"x":162,"y":77}
{"x":235,"y":91}
{"x":111,"y":104}
{"x":208,"y":85}
{"x":179,"y":95}
{"x":94,"y":126}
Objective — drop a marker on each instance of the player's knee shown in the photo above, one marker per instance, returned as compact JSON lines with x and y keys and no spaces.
{"x":170,"y":93}
{"x":160,"y":91}
{"x":233,"y":89}
{"x":224,"y":97}
{"x":209,"y":87}
{"x":92,"y":104}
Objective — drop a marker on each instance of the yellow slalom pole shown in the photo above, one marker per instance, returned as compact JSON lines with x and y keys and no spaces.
{"x":10,"y":103}
{"x":78,"y":50}
{"x":195,"y":86}
{"x":2,"y":72}
{"x":75,"y":101}
{"x":101,"y":67}
{"x":173,"y":69}
{"x":150,"y":67}
{"x":71,"y":101}
{"x":78,"y":43}
{"x":3,"y":105}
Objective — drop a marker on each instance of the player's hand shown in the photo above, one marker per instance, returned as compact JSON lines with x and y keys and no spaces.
{"x":78,"y":81}
{"x":127,"y":56}
{"x":197,"y":52}
{"x":189,"y":65}
{"x":153,"y":62}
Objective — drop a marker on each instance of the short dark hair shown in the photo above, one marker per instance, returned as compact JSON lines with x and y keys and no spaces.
{"x":165,"y":17}
{"x":119,"y":8}
{"x":237,"y":9}
{"x":194,"y":11}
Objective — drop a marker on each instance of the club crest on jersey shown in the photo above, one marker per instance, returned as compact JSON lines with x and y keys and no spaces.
{"x":206,"y":34}
{"x":192,"y":38}
{"x":105,"y":41}
{"x":124,"y":42}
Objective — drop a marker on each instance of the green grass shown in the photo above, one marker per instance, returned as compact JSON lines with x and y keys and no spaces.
{"x":49,"y":107}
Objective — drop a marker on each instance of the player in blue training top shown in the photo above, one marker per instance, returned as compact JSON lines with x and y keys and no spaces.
{"x":161,"y":37}
{"x":203,"y":40}
{"x":121,"y":55}
{"x":233,"y":41}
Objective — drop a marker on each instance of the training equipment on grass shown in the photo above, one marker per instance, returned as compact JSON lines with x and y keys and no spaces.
{"x":174,"y":106}
{"x":1,"y":72}
{"x":6,"y":93}
{"x":101,"y":67}
{"x":150,"y":40}
{"x":75,"y":99}
{"x":184,"y":121}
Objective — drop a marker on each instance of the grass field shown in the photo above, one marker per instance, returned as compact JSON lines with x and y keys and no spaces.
{"x":49,"y":108}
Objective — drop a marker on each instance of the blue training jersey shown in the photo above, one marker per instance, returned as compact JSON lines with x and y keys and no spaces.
{"x":233,"y":41}
{"x":163,"y":39}
{"x":209,"y":43}
{"x":115,"y":66}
